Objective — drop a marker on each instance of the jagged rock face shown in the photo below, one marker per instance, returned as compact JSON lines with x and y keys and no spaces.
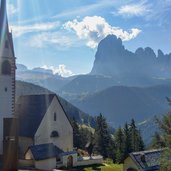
{"x":112,"y":59}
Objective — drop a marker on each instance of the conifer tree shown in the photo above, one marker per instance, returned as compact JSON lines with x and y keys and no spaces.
{"x":137,"y":143}
{"x":127,"y":141}
{"x":102,"y":136}
{"x":119,"y":140}
{"x":140,"y":142}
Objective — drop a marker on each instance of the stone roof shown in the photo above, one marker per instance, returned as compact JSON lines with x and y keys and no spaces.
{"x":44,"y":151}
{"x":148,"y":160}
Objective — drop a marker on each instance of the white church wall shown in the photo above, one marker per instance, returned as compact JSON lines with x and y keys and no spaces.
{"x":43,"y":135}
{"x":48,"y":164}
{"x":6,"y":90}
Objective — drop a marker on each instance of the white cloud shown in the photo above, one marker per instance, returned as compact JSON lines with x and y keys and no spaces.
{"x":11,"y":9}
{"x":21,"y":30}
{"x":61,"y":70}
{"x":130,"y":10}
{"x":95,"y":28}
{"x":45,"y":39}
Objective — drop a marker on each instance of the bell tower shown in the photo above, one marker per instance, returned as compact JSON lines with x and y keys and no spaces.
{"x":7,"y":71}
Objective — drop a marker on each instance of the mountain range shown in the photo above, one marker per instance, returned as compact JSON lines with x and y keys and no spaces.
{"x":112,"y":59}
{"x":122,"y":84}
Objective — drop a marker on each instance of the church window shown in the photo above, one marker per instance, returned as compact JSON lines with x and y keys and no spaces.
{"x":6,"y":68}
{"x":6,"y":44}
{"x":54,"y":134}
{"x":6,"y":89}
{"x":54,"y":116}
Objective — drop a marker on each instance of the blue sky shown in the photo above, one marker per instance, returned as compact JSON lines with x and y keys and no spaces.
{"x":63,"y":34}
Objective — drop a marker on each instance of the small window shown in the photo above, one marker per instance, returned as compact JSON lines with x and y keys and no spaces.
{"x":6,"y":89}
{"x":54,"y":116}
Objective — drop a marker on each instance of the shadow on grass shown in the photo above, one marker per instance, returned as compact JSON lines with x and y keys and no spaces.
{"x":84,"y":168}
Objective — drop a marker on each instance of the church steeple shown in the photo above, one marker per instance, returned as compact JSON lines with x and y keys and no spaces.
{"x":5,"y":36}
{"x":7,"y":70}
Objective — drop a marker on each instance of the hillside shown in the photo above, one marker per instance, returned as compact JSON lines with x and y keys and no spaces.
{"x":120,"y":104}
{"x":83,"y":85}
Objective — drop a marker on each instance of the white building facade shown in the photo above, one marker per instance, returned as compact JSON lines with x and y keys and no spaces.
{"x":55,"y":128}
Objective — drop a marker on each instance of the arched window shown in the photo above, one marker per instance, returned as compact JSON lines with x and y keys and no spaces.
{"x":54,"y":134}
{"x":6,"y":68}
{"x":54,"y":116}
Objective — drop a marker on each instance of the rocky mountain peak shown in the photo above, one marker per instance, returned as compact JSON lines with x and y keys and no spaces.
{"x":112,"y":59}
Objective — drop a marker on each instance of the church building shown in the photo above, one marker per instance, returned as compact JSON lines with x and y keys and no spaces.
{"x":7,"y":71}
{"x":45,"y":132}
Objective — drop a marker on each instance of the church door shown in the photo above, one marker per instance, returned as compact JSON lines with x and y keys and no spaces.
{"x":70,"y":162}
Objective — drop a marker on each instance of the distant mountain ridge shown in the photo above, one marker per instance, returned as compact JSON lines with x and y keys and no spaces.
{"x":119,"y":104}
{"x":41,"y":77}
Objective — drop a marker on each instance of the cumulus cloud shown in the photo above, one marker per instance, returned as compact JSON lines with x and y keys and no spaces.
{"x":20,"y":30}
{"x":45,"y":39}
{"x":95,"y":28}
{"x":60,"y":70}
{"x":12,"y":10}
{"x":130,"y":10}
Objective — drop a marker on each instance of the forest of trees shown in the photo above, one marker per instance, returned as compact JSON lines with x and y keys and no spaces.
{"x":115,"y":145}
{"x":119,"y":143}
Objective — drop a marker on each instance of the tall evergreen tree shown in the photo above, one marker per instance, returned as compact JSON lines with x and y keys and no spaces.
{"x":102,"y":136}
{"x":127,"y":141}
{"x":119,"y":140}
{"x":140,"y":142}
{"x":137,"y":143}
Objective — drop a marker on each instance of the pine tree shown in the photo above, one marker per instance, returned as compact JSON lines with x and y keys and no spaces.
{"x":140,"y":142}
{"x":137,"y":143}
{"x":127,"y":141}
{"x":102,"y":136}
{"x":119,"y":140}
